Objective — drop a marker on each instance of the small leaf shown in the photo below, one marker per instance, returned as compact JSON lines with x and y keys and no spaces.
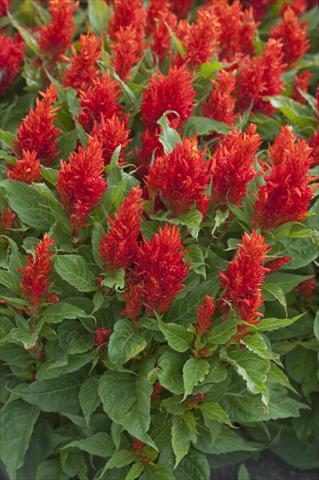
{"x":194,"y":372}
{"x":120,"y":459}
{"x":99,"y":13}
{"x":135,"y":471}
{"x":316,"y":326}
{"x":205,"y":126}
{"x":168,"y":136}
{"x":181,"y":438}
{"x":125,"y":343}
{"x":270,"y":324}
{"x":99,"y":444}
{"x":256,"y":343}
{"x":213,"y":411}
{"x":157,"y":472}
{"x":220,"y":334}
{"x":75,"y":271}
{"x":243,"y":473}
{"x":177,"y":337}
{"x":58,"y":312}
{"x":89,"y":397}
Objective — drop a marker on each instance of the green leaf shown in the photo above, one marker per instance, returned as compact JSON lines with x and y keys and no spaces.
{"x":217,"y":372}
{"x":205,"y":126}
{"x":286,"y":281}
{"x":99,"y":13}
{"x":276,"y":375}
{"x":75,"y":271}
{"x":256,"y":344}
{"x":126,"y":399}
{"x":120,"y":459}
{"x":275,"y":291}
{"x":298,"y":114}
{"x":196,"y":257}
{"x":181,"y":438}
{"x":194,"y":372}
{"x":170,"y":373}
{"x":213,"y":411}
{"x":302,"y":250}
{"x":243,"y":473}
{"x":116,"y":281}
{"x":220,"y":334}
{"x":193,"y":467}
{"x":125,"y":343}
{"x":177,"y":337}
{"x":99,"y":444}
{"x":157,"y":472}
{"x":316,"y":326}
{"x":7,"y":138}
{"x":58,"y":312}
{"x":270,"y":324}
{"x":49,"y":470}
{"x":135,"y":471}
{"x":25,"y":34}
{"x":89,"y":397}
{"x":16,"y":427}
{"x":168,"y":136}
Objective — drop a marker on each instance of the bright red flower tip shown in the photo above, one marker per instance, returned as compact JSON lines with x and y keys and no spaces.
{"x":301,"y":83}
{"x":233,"y":165}
{"x":102,"y":335}
{"x":287,"y":194}
{"x":100,"y":98}
{"x":181,"y":177}
{"x":83,"y":67}
{"x":277,"y":263}
{"x":282,"y":145}
{"x":11,"y":57}
{"x":4,"y":6}
{"x":36,"y":275}
{"x":220,"y":104}
{"x":157,"y":390}
{"x":158,"y":274}
{"x":154,"y":9}
{"x":244,"y":277}
{"x":126,"y":50}
{"x":111,"y":133}
{"x":81,"y":183}
{"x":204,"y":315}
{"x":298,"y":6}
{"x":127,"y":13}
{"x":160,"y":18}
{"x":151,"y":147}
{"x":181,"y":7}
{"x":119,"y":246}
{"x":171,"y":92}
{"x":27,"y":169}
{"x":37,"y":131}
{"x":7,"y":219}
{"x":307,"y":288}
{"x":314,"y":144}
{"x":260,"y":7}
{"x":56,"y":36}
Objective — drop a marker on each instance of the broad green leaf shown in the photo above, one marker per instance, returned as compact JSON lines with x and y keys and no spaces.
{"x":275,"y":291}
{"x":302,"y":366}
{"x":220,"y":334}
{"x":125,"y":343}
{"x":99,"y":444}
{"x":217,"y":372}
{"x":178,"y":338}
{"x":58,"y":312}
{"x":194,"y":372}
{"x":243,"y":473}
{"x":213,"y":411}
{"x":99,"y":13}
{"x":181,"y":438}
{"x":120,"y":459}
{"x":205,"y":126}
{"x":135,"y":471}
{"x":302,"y":250}
{"x":256,"y":343}
{"x":26,"y":35}
{"x":276,"y":375}
{"x":286,"y":281}
{"x":270,"y":324}
{"x":157,"y":472}
{"x":16,"y":426}
{"x":126,"y":399}
{"x":193,"y":467}
{"x":51,"y":469}
{"x":197,"y":261}
{"x":298,"y":114}
{"x":7,"y":138}
{"x":74,"y":338}
{"x":170,"y":373}
{"x":168,"y":136}
{"x":316,"y":326}
{"x":75,"y":271}
{"x":89,"y":397}
{"x":11,"y":280}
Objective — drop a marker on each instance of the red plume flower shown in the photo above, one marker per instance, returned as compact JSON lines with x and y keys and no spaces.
{"x":111,"y":133}
{"x":277,"y":263}
{"x":4,"y":6}
{"x":7,"y":219}
{"x":282,"y":145}
{"x":100,"y":98}
{"x":128,"y":13}
{"x":293,"y":35}
{"x":83,"y":66}
{"x":260,"y":77}
{"x":171,"y":92}
{"x":126,"y":50}
{"x":11,"y":57}
{"x":220,"y":104}
{"x":233,"y":165}
{"x":36,"y":275}
{"x":102,"y":335}
{"x":244,"y":277}
{"x":307,"y":288}
{"x":81,"y":183}
{"x":200,"y":38}
{"x":181,"y":7}
{"x":287,"y":194}
{"x":27,"y":169}
{"x":260,"y":7}
{"x":301,"y":83}
{"x":298,"y":6}
{"x":119,"y":246}
{"x":314,"y":144}
{"x":151,"y":147}
{"x":37,"y":131}
{"x":56,"y":36}
{"x":158,"y":274}
{"x":159,"y":19}
{"x":181,"y":177}
{"x":204,"y":315}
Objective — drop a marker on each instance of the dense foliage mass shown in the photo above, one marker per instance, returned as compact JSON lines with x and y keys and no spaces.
{"x":159,"y":236}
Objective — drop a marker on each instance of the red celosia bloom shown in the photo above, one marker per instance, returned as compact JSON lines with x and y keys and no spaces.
{"x":298,"y":6}
{"x":244,"y":277}
{"x":307,"y":288}
{"x":287,"y":194}
{"x":157,"y":390}
{"x":83,"y":66}
{"x":220,"y":104}
{"x":293,"y":35}
{"x":101,"y":98}
{"x":11,"y":56}
{"x":7,"y":219}
{"x":260,"y":77}
{"x":154,"y":9}
{"x":119,"y":246}
{"x":160,"y":32}
{"x":101,"y":336}
{"x":171,"y":92}
{"x":111,"y":133}
{"x":204,"y":315}
{"x":126,"y":50}
{"x":56,"y":36}
{"x":181,"y":7}
{"x":301,"y":83}
{"x":137,"y":446}
{"x":81,"y":183}
{"x":277,"y":263}
{"x":151,"y":147}
{"x":36,"y":275}
{"x":37,"y":131}
{"x":260,"y":7}
{"x":233,"y":165}
{"x":128,"y":13}
{"x":4,"y":6}
{"x":200,"y":39}
{"x":27,"y":169}
{"x":158,"y":274}
{"x":282,"y":145}
{"x":181,"y":177}
{"x":314,"y":144}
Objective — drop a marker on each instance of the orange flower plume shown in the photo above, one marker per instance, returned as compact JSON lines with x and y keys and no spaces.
{"x":4,"y":6}
{"x":301,"y":83}
{"x":220,"y":104}
{"x":244,"y":277}
{"x":126,"y":50}
{"x":36,"y":275}
{"x":158,"y":274}
{"x":180,"y":178}
{"x":56,"y":36}
{"x":204,"y":315}
{"x":37,"y":131}
{"x":260,"y":7}
{"x":81,"y":183}
{"x":7,"y":219}
{"x":11,"y":57}
{"x":111,"y":133}
{"x":181,"y":8}
{"x":119,"y":246}
{"x":233,"y":165}
{"x":171,"y":92}
{"x":27,"y":169}
{"x":127,"y":13}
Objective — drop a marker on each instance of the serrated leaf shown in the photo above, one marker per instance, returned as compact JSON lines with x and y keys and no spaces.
{"x":177,"y":337}
{"x":125,"y":343}
{"x":89,"y":397}
{"x":194,"y":372}
{"x":99,"y":444}
{"x":213,"y":411}
{"x":75,"y":271}
{"x":256,"y":343}
{"x":220,"y":334}
{"x":270,"y":324}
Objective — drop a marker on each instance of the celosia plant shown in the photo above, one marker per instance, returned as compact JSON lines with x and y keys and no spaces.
{"x":158,"y":236}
